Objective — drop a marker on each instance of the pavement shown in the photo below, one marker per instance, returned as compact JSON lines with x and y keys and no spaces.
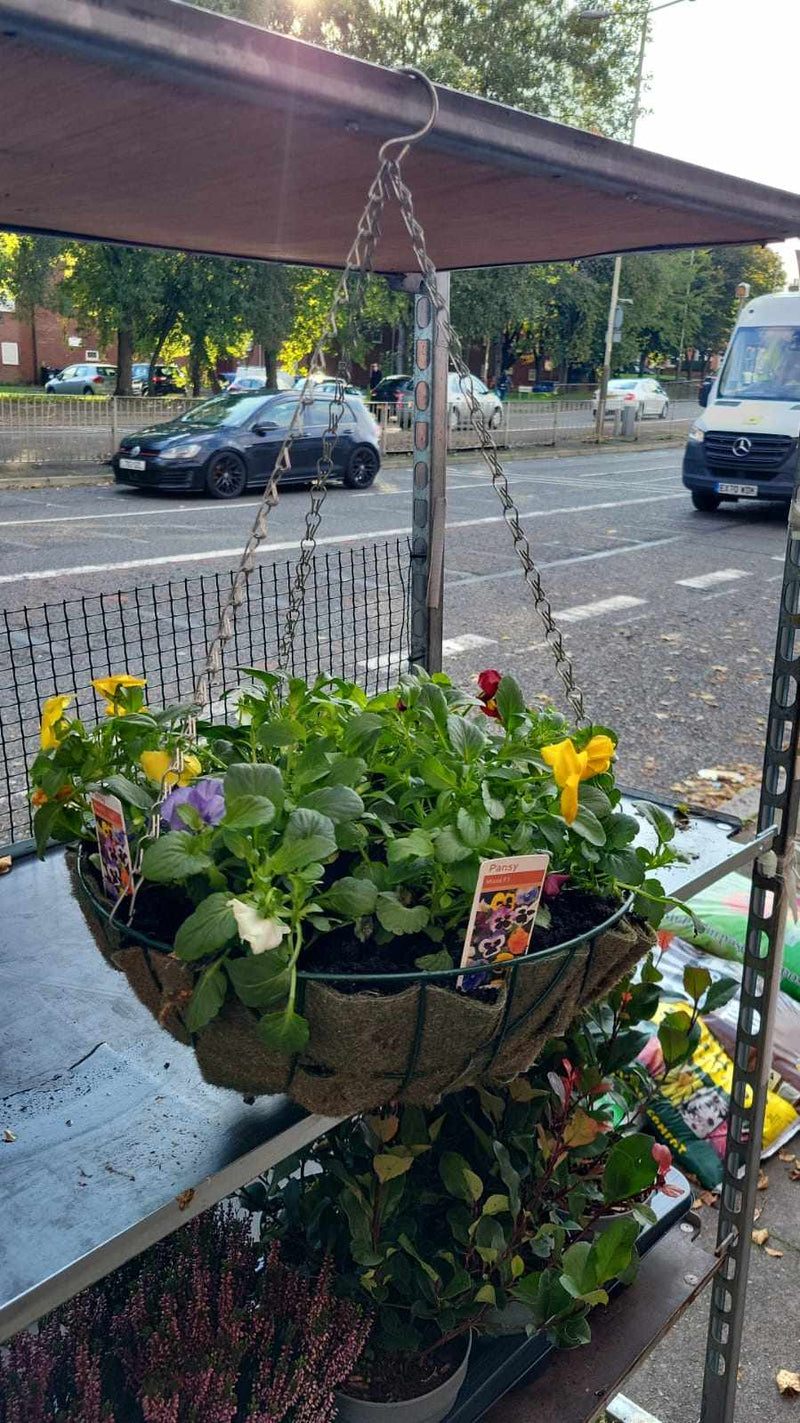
{"x":668,"y":614}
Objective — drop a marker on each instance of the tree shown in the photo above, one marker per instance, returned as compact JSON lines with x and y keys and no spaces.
{"x":117,"y":290}
{"x":27,"y":273}
{"x":267,"y":304}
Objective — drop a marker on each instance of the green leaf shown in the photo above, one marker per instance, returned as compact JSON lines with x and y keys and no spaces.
{"x":695,"y":981}
{"x":129,"y":793}
{"x":417,"y":845}
{"x":588,"y":826}
{"x":438,"y":776}
{"x":434,"y":963}
{"x":510,"y":701}
{"x":338,"y":803}
{"x":207,"y":999}
{"x":597,"y":802}
{"x":284,"y":1031}
{"x":362,"y":730}
{"x":648,"y":902}
{"x":352,"y":897}
{"x":391,"y":1164}
{"x":210,"y":927}
{"x":494,"y":807}
{"x":572,"y":1331}
{"x":398,"y":918}
{"x":620,"y":829}
{"x":294,"y":855}
{"x":279,"y":733}
{"x":466,"y":737}
{"x":174,"y":857}
{"x":625,"y":866}
{"x":431,"y":698}
{"x":248,"y":811}
{"x":244,"y":779}
{"x":486,"y":1295}
{"x":43,"y":822}
{"x":459,"y":1179}
{"x":721,"y":992}
{"x":261,"y":981}
{"x":474,"y":827}
{"x":346,"y":770}
{"x":493,"y":1205}
{"x":306,"y":821}
{"x":613,"y":1248}
{"x":450,"y":848}
{"x":658,"y":818}
{"x":460,"y":1281}
{"x":578,"y":1275}
{"x":630,"y":1168}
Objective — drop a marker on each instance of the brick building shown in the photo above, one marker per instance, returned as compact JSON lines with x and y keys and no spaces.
{"x":49,"y":340}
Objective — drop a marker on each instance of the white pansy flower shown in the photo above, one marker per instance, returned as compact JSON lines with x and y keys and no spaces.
{"x":260,"y":934}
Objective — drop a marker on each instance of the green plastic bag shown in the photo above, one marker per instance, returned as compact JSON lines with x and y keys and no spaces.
{"x":723,"y":910}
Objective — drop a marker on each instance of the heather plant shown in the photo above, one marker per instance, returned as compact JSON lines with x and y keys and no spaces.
{"x":200,"y":1329}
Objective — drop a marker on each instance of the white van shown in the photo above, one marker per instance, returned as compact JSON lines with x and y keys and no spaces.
{"x":744,"y":446}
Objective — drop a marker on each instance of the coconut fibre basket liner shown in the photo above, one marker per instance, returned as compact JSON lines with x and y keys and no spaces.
{"x":367,"y":1048}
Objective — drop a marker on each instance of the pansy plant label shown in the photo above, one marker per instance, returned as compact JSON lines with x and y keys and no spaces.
{"x":112,"y":842}
{"x":503,"y":914}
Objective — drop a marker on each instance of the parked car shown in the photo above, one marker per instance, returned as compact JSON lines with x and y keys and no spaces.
{"x":88,"y":378}
{"x":647,"y":394}
{"x":230,"y":443}
{"x":388,"y":390}
{"x":329,"y":388}
{"x":458,"y":414}
{"x":165,"y":380}
{"x":255,"y":378}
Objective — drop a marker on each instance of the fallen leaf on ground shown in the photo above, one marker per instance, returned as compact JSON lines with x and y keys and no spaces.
{"x":788,"y":1383}
{"x":184,"y":1199}
{"x":760,"y":1237}
{"x":8,"y":1135}
{"x":787,"y":1156}
{"x":5,"y":864}
{"x":776,"y":1254}
{"x":672,"y":637}
{"x":763,"y":1181}
{"x":794,"y":1175}
{"x":759,"y":1210}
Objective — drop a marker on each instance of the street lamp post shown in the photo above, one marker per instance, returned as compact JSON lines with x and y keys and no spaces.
{"x":599,"y":15}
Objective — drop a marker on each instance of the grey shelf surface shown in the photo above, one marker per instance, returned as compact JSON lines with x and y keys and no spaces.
{"x":117,"y":1140}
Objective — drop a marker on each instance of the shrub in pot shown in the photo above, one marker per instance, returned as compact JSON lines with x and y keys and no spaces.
{"x":440,"y":1220}
{"x":327,"y":833}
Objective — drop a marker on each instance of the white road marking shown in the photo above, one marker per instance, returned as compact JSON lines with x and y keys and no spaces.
{"x":385,"y":661}
{"x":454,"y":646}
{"x":594,"y":610}
{"x":207,"y":555}
{"x":707,"y":580}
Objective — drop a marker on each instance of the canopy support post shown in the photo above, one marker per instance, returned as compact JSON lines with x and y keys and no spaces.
{"x":774,"y":888}
{"x":429,"y":481}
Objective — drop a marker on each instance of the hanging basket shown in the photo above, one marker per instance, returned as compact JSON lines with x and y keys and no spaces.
{"x":412,"y":1044}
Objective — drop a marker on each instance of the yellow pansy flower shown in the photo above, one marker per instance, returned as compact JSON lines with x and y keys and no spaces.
{"x":52,"y":713}
{"x":110,"y":688}
{"x":156,"y":766}
{"x":570,"y":767}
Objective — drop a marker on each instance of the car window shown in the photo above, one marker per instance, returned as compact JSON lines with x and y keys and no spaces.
{"x":280,"y":412}
{"x":109,"y":370}
{"x":622,"y":385}
{"x":67,"y":373}
{"x":479,"y":386}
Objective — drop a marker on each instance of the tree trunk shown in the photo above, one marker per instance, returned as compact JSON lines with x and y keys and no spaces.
{"x":196,"y":358}
{"x":37,"y":375}
{"x":270,"y":367}
{"x":400,"y":351}
{"x":124,"y":360}
{"x":487,"y":346}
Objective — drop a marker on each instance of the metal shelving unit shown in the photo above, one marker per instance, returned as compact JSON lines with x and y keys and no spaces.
{"x":117,"y":1145}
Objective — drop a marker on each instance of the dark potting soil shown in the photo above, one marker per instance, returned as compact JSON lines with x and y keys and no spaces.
{"x":160,"y":909}
{"x":394,"y":1378}
{"x":573,"y":912}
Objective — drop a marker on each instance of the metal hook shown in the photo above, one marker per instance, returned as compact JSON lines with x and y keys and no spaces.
{"x":407,"y":139}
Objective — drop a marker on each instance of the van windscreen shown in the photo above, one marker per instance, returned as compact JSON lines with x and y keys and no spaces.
{"x":763,"y":364}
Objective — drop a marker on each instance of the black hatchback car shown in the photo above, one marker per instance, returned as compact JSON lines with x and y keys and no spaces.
{"x":230,"y":444}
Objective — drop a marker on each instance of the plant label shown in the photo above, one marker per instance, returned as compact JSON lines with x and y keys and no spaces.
{"x":112,"y":842}
{"x":503,"y":913}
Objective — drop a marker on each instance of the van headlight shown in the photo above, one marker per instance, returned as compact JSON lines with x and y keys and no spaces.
{"x":181,"y":452}
{"x":697,"y":435}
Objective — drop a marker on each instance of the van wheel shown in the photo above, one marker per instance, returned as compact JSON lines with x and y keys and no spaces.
{"x":704,"y":501}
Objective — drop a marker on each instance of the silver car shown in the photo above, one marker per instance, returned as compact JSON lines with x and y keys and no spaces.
{"x":88,"y":378}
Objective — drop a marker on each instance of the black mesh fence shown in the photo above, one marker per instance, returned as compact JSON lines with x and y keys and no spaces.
{"x":354,"y":624}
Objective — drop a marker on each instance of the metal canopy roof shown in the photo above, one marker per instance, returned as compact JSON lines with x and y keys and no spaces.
{"x":151,"y":122}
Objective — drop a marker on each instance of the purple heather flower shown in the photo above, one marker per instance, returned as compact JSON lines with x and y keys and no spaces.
{"x":206,"y":797}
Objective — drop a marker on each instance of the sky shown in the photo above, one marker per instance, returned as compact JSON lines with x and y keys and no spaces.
{"x":723,"y":91}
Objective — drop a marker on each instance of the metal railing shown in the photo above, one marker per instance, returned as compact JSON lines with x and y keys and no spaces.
{"x":354,"y":624}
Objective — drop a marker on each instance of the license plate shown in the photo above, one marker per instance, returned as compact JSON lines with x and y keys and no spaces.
{"x":133,"y":464}
{"x":745,"y":491}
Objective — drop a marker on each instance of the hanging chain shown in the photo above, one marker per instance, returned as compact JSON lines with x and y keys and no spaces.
{"x":489,"y":450}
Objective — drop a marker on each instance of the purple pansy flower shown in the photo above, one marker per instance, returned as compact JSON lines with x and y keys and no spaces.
{"x":206,"y":797}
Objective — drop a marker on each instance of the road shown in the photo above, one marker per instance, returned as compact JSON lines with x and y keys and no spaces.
{"x":668,"y":614}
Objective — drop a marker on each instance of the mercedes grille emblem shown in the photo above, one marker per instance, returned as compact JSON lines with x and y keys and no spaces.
{"x":742,"y":447}
{"x":136,"y":448}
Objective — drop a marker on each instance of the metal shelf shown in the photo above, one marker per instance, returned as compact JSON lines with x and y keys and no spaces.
{"x":708,"y":840}
{"x":118,"y":1141}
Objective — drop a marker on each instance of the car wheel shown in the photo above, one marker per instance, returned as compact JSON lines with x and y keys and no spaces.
{"x":363,"y":467}
{"x":496,"y":420}
{"x":226,"y":475}
{"x":664,"y":410}
{"x":87,"y":390}
{"x":640,"y":411}
{"x":705,"y":501}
